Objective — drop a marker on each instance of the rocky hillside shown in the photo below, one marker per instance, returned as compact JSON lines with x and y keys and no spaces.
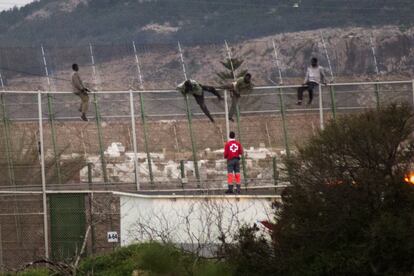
{"x":349,"y":49}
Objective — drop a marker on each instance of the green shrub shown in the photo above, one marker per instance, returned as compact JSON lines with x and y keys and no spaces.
{"x":153,"y":258}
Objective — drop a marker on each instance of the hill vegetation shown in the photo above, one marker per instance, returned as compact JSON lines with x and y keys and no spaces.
{"x":191,"y":21}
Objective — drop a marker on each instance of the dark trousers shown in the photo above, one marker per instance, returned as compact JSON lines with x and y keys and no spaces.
{"x":202,"y":104}
{"x":235,"y":99}
{"x":310,"y":86}
{"x":233,"y":165}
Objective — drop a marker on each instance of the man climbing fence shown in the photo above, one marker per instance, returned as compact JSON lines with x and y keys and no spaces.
{"x":314,"y":76}
{"x":81,"y":91}
{"x":241,"y":86}
{"x":197,"y":90}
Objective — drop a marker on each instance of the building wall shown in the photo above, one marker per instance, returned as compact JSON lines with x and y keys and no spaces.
{"x":189,"y":220}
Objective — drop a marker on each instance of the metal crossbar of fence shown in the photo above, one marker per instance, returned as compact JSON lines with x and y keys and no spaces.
{"x":145,"y":145}
{"x":55,"y":111}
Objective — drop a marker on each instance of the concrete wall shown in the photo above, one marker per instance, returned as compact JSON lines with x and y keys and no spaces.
{"x":189,"y":220}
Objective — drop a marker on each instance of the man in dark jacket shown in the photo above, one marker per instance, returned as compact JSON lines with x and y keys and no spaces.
{"x":197,"y":90}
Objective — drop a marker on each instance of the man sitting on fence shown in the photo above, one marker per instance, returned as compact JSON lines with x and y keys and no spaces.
{"x":314,"y":76}
{"x":233,"y":150}
{"x":197,"y":90}
{"x":80,"y":90}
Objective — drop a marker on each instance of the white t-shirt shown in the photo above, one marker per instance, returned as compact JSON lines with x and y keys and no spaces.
{"x":315,"y":74}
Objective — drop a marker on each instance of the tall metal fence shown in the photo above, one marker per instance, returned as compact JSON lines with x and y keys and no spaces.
{"x":141,"y":140}
{"x":144,"y":136}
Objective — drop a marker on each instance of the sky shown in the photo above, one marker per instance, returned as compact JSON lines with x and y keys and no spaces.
{"x":7,"y":4}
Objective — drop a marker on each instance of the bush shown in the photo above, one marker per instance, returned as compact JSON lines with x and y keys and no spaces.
{"x":154,"y":259}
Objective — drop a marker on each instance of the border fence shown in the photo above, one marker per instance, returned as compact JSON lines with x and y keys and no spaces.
{"x":59,"y":174}
{"x":158,"y":139}
{"x":61,"y":178}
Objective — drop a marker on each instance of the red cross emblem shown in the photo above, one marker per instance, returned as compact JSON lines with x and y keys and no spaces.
{"x":234,"y":148}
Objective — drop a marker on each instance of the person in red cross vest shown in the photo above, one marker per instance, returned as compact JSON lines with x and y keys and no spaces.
{"x":233,"y":150}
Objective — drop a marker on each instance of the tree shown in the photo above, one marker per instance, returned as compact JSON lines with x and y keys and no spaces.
{"x":231,"y":66}
{"x":348,"y":210}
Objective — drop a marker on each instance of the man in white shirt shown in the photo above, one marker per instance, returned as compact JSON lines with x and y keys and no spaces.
{"x":314,"y":76}
{"x":81,"y":91}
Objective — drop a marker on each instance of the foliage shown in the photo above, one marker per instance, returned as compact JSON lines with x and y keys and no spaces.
{"x":153,"y":259}
{"x":32,"y":272}
{"x":252,"y":254}
{"x":348,"y":210}
{"x":231,"y":66}
{"x":103,"y":21}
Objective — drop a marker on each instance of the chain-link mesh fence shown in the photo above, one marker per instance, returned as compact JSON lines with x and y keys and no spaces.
{"x":142,"y":135}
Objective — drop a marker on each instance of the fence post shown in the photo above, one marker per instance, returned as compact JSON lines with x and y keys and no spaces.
{"x":193,"y":146}
{"x":143,"y":119}
{"x":285,"y":132}
{"x":98,"y":125}
{"x":42,"y":165}
{"x":6,"y":131}
{"x":321,"y":107}
{"x":89,"y":173}
{"x":52,"y":128}
{"x":190,"y":127}
{"x":98,"y":117}
{"x":412,"y":86}
{"x":226,"y":113}
{"x":182,"y":170}
{"x":275,"y":171}
{"x":134,"y":139}
{"x":145,"y":129}
{"x":333,"y":101}
{"x":51,"y":118}
{"x":243,"y":158}
{"x":377,"y":95}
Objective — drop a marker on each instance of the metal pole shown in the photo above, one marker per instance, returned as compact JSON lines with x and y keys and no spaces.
{"x":1,"y":252}
{"x":377,"y":95}
{"x":134,"y":138}
{"x":98,"y":118}
{"x":412,"y":86}
{"x":237,"y":114}
{"x":374,"y":55}
{"x":91,"y":200}
{"x":190,"y":127}
{"x":144,"y":124}
{"x":51,"y":119}
{"x":277,"y":63}
{"x":321,"y":107}
{"x":9,"y":157}
{"x":42,"y":165}
{"x":226,"y":113}
{"x":285,"y":132}
{"x":332,"y":89}
{"x":333,"y":102}
{"x":282,"y":104}
{"x":143,"y":118}
{"x":275,"y":172}
{"x":327,"y":56}
{"x":7,"y":143}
